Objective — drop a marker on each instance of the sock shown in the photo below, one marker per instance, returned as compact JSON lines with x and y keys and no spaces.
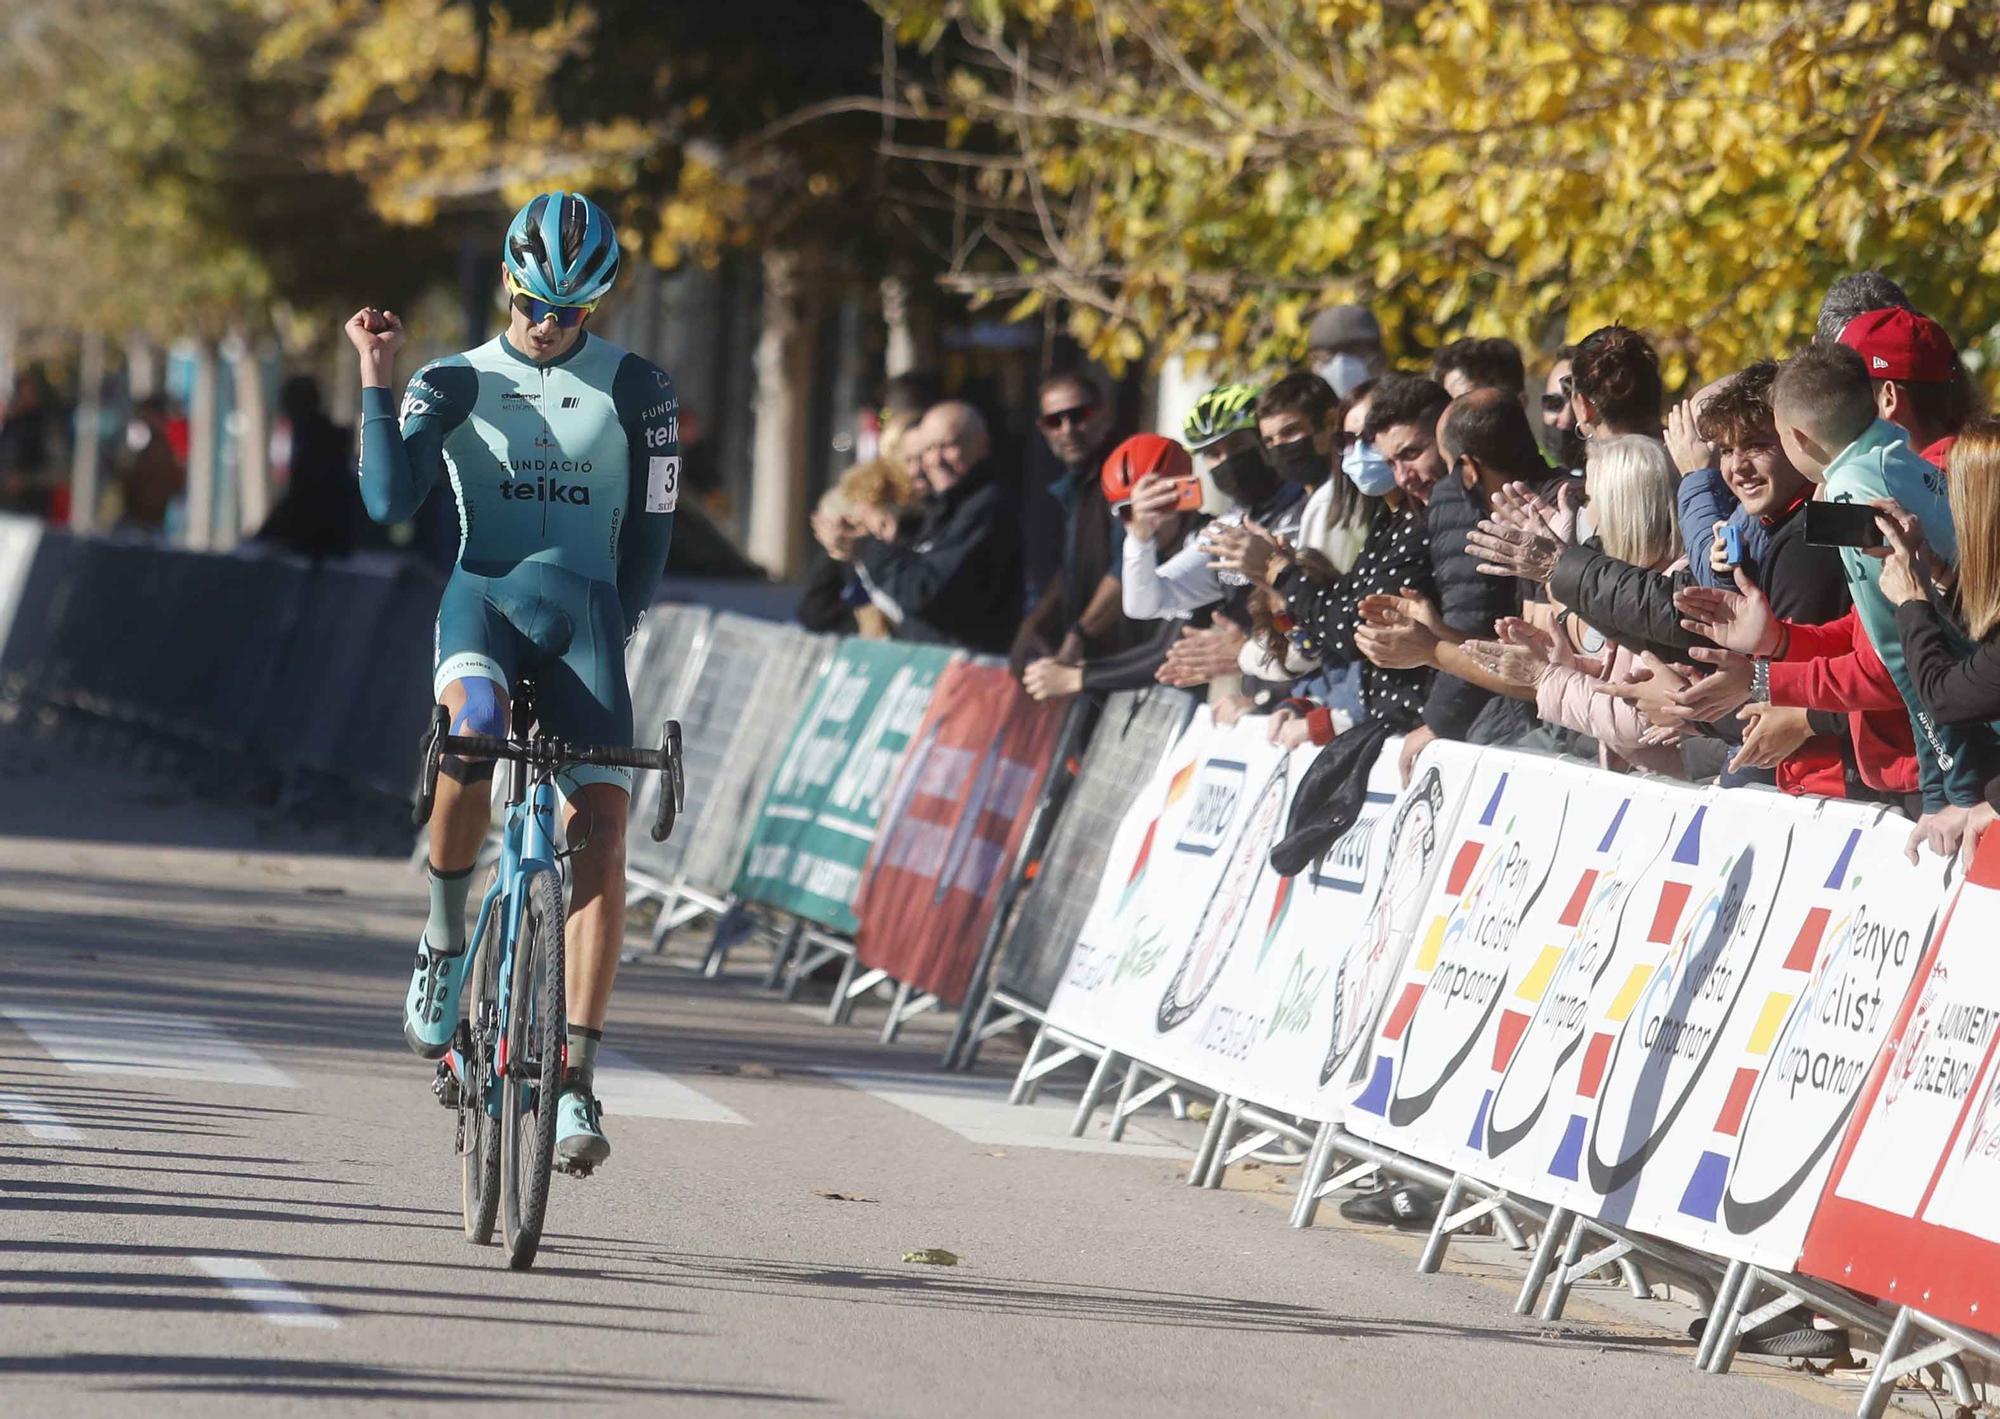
{"x":445,"y":931}
{"x":583,"y":1042}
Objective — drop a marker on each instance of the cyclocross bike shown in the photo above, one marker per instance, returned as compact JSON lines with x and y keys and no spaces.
{"x":503,"y":1073}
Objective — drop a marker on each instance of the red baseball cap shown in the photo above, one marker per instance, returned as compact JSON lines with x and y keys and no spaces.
{"x":1900,"y":344}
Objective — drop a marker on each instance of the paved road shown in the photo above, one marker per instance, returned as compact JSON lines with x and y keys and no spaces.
{"x":224,"y":1188}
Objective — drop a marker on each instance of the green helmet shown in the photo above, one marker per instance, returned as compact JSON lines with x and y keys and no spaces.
{"x":1219,"y":413}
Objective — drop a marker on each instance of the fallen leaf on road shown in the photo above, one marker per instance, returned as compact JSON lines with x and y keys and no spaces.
{"x":932,"y":1256}
{"x":840,"y":1196}
{"x":758,"y":1071}
{"x":1199,"y":1111}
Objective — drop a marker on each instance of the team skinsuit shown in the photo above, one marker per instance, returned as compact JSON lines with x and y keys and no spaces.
{"x":566,"y":475}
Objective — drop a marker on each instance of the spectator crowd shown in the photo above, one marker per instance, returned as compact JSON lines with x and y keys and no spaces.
{"x":1789,"y":578}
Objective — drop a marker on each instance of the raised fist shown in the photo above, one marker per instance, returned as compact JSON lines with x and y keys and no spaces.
{"x":375,"y":333}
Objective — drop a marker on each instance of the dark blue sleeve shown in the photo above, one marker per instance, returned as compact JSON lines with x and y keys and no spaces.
{"x":643,"y":395}
{"x":402,"y":458}
{"x":1704,"y":499}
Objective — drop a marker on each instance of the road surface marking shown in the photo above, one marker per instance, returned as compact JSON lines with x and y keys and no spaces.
{"x":254,"y":1285}
{"x":977,"y":1110}
{"x":40,"y":1121}
{"x":159,"y":1045}
{"x":625,"y":1086}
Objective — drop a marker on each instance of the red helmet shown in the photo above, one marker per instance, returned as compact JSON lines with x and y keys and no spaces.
{"x":1135,"y":458}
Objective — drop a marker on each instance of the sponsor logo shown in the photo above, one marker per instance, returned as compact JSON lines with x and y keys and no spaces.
{"x":1215,"y":793}
{"x":520,"y":396}
{"x":570,"y":401}
{"x":546,"y":490}
{"x":1877,"y":362}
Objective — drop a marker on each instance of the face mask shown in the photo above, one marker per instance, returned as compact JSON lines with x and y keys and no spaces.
{"x":1565,"y":447}
{"x":1344,"y":372}
{"x":1368,"y":470}
{"x":1299,"y":462}
{"x":1244,"y":478}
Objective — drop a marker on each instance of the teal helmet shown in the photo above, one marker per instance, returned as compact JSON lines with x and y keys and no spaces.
{"x":1219,"y":413}
{"x":561,"y":249}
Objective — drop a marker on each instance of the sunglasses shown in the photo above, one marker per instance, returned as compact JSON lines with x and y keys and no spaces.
{"x":1555,"y":403}
{"x":567,"y":317}
{"x":1079,"y":415}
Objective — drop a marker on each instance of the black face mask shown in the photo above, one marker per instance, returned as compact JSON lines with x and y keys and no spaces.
{"x":1299,"y":462}
{"x":1244,"y":478}
{"x":1565,"y":447}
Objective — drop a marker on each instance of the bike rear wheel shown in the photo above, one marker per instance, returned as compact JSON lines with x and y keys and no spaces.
{"x":532,"y":1085}
{"x":478,"y":1128}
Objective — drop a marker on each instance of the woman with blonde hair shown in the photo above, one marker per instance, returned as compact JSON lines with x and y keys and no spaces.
{"x":1631,"y":481}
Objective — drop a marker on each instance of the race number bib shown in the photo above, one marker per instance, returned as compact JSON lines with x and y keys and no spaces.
{"x":663,"y":483}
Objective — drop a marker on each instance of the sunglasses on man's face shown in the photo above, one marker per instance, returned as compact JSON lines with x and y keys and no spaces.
{"x":567,"y":317}
{"x":1078,"y":415}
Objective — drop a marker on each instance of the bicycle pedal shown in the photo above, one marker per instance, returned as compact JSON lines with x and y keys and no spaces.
{"x":574,"y":1169}
{"x":444,"y":1084}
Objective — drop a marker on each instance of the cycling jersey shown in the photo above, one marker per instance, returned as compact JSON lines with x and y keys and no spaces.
{"x":566,"y":476}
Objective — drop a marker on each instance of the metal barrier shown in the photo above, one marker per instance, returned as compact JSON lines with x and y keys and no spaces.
{"x":1133,"y":731}
{"x":740,"y":690}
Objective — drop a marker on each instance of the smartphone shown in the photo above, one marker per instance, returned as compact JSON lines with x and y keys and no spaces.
{"x":1190,"y":495}
{"x":1843,"y":525}
{"x":1732,"y":544}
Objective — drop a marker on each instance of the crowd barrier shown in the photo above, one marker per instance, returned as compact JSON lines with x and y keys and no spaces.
{"x":1616,"y":1009}
{"x":1724,"y":1033}
{"x":265,"y":664}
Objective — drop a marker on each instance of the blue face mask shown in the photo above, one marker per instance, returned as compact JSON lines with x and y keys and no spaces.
{"x":1368,"y":470}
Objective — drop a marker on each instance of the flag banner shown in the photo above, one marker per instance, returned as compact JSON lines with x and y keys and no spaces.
{"x":819,"y":815}
{"x":958,"y":810}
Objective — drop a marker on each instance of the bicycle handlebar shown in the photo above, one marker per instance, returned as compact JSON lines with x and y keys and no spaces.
{"x":541,"y":752}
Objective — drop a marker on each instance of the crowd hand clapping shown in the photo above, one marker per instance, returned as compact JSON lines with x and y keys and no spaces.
{"x":1719,"y":693}
{"x":1524,"y":537}
{"x":1691,"y":452}
{"x":1771,"y":734}
{"x":1739,"y":620}
{"x":1246,"y":549}
{"x":1200,"y":656}
{"x":1399,"y":632}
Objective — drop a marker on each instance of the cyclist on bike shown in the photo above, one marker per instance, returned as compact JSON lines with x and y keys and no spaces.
{"x":563,"y":452}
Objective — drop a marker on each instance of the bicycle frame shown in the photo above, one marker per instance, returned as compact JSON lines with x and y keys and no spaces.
{"x":527,"y":847}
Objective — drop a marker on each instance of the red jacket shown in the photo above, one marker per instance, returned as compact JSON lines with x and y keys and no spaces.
{"x":1835,"y":667}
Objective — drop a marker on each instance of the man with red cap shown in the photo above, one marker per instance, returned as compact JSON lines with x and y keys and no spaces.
{"x":1919,"y":384}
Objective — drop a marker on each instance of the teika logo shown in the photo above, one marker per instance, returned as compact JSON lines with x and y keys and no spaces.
{"x":546,"y":490}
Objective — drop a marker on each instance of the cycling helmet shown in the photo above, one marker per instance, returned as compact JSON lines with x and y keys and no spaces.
{"x":1134,"y":459}
{"x":1220,"y":413}
{"x":561,"y":249}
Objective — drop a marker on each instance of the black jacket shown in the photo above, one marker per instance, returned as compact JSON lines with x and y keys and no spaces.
{"x":1468,"y":599}
{"x":955,"y":577}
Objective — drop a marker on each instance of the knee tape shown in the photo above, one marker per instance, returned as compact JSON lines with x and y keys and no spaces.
{"x":485,"y":709}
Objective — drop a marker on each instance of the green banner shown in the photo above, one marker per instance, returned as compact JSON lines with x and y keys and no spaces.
{"x":816,"y":823}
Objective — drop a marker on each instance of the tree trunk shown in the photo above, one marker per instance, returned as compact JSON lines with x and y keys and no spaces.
{"x":142,"y":367}
{"x":87,"y":455}
{"x":908,"y":327}
{"x":780,"y":452}
{"x":251,"y":421}
{"x":204,"y":443}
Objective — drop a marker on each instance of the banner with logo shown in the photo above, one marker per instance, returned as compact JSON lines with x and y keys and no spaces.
{"x":955,"y":819}
{"x":1909,"y":1214}
{"x":1198,"y":959}
{"x":819,"y":816}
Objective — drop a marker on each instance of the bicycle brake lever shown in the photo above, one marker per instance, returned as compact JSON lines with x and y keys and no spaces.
{"x":427,"y":772}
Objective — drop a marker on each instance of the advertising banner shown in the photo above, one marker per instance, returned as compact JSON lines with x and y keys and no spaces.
{"x":955,"y":819}
{"x":818,"y":817}
{"x":1200,"y":960}
{"x":1908,"y":1215}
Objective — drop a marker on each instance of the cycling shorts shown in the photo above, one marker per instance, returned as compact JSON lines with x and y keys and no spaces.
{"x":565,"y":631}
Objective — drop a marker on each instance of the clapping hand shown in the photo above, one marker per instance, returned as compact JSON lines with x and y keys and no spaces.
{"x":1739,"y":620}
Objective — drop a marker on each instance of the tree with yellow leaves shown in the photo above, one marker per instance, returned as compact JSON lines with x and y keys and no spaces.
{"x":1180,"y":170}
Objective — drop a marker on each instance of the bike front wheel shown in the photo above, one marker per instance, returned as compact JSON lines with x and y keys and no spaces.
{"x":532,"y":1084}
{"x":478,"y":1125}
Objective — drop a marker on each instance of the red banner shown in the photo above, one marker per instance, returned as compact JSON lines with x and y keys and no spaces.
{"x":953,"y":822}
{"x":1908,"y":1214}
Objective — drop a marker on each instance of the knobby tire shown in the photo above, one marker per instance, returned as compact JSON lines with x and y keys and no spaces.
{"x":537,"y":1019}
{"x":478,"y":1129}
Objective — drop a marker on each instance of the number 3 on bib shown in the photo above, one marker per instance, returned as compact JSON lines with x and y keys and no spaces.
{"x":663,"y":483}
